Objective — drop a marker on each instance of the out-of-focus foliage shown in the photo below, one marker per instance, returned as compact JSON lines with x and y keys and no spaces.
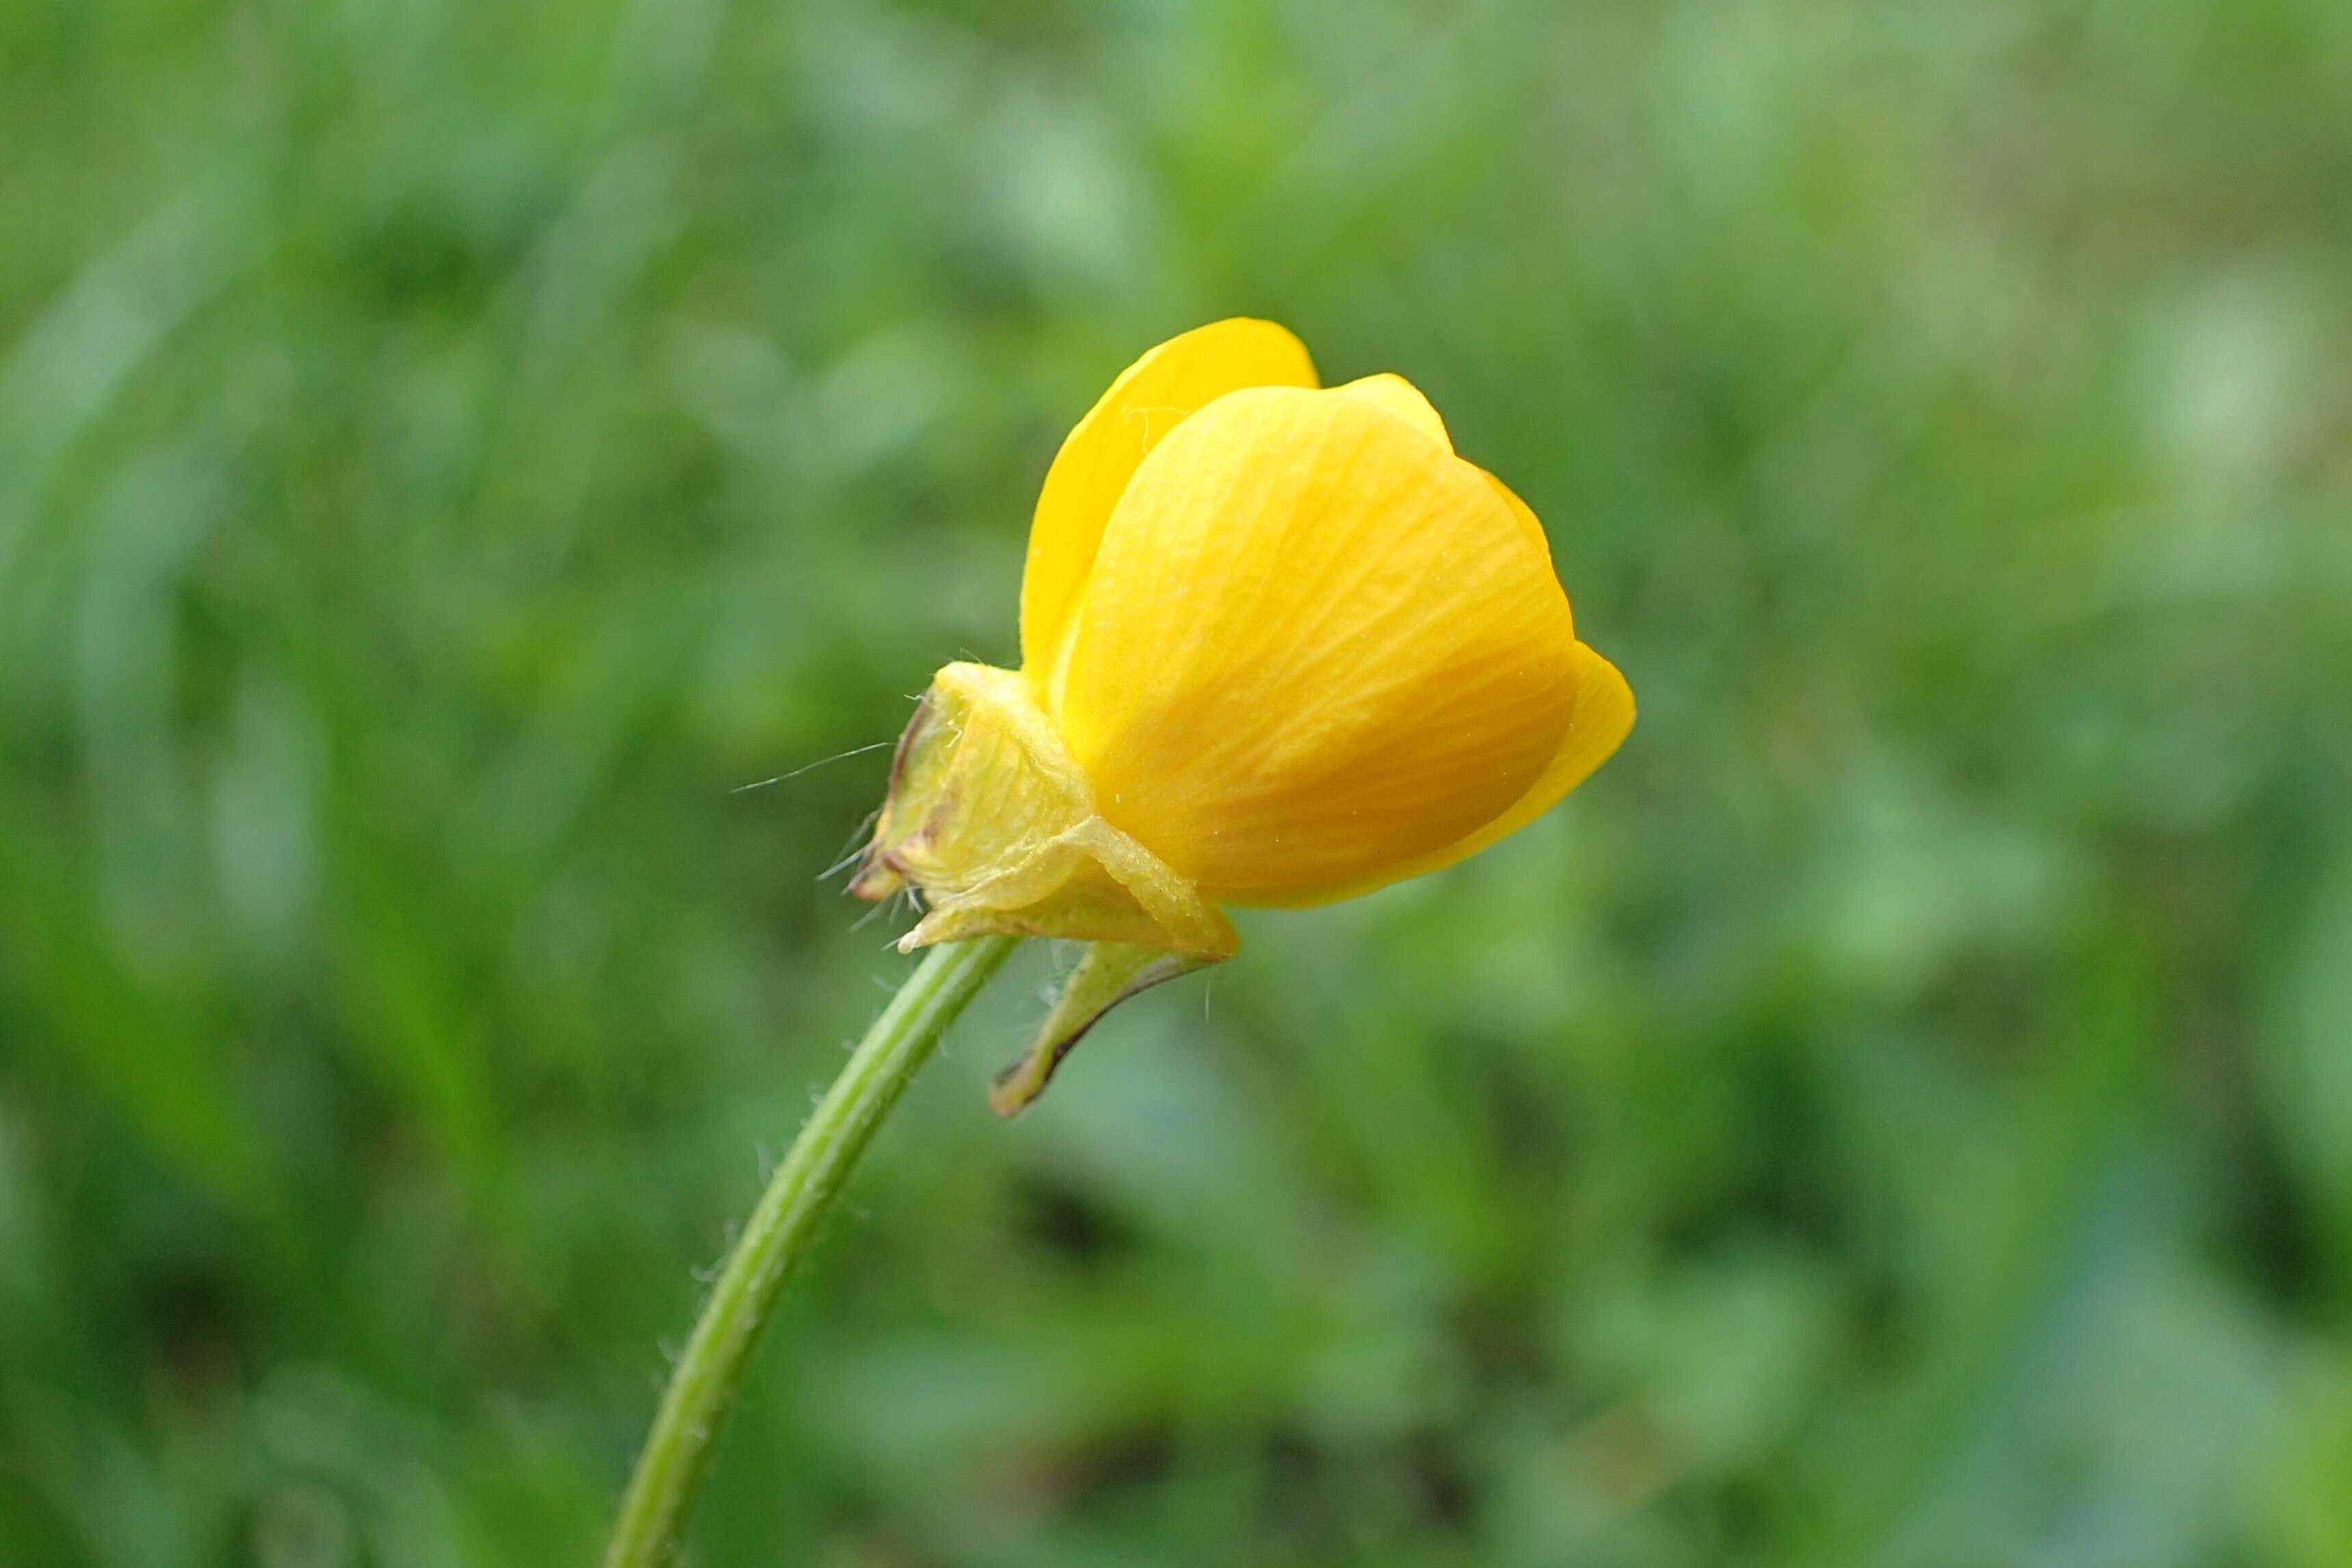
{"x":1899,"y":1113}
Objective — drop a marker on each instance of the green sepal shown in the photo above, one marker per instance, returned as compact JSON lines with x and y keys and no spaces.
{"x":1109,"y":973}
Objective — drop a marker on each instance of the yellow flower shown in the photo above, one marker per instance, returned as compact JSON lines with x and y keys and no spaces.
{"x":1279,"y":646}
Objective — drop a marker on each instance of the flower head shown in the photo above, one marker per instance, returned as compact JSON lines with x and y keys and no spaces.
{"x":1280,"y":645}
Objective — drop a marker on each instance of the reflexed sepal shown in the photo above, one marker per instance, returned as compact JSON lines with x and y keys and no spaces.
{"x":1110,"y":972}
{"x":991,"y":819}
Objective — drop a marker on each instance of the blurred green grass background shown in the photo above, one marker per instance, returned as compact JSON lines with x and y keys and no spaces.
{"x":1899,"y":1113}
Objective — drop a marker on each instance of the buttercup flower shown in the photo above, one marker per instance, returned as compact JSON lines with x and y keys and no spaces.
{"x":1279,"y":646}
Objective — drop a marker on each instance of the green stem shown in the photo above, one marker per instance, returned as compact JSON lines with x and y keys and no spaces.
{"x":778,"y":1236}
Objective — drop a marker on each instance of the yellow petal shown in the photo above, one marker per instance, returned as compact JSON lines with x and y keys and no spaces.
{"x":1150,"y":399}
{"x":1596,"y":726}
{"x":1520,"y":509}
{"x":1404,"y":400}
{"x":1315,"y":646}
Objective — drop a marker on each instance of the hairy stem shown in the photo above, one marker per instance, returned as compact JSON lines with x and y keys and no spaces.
{"x":778,"y":1236}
